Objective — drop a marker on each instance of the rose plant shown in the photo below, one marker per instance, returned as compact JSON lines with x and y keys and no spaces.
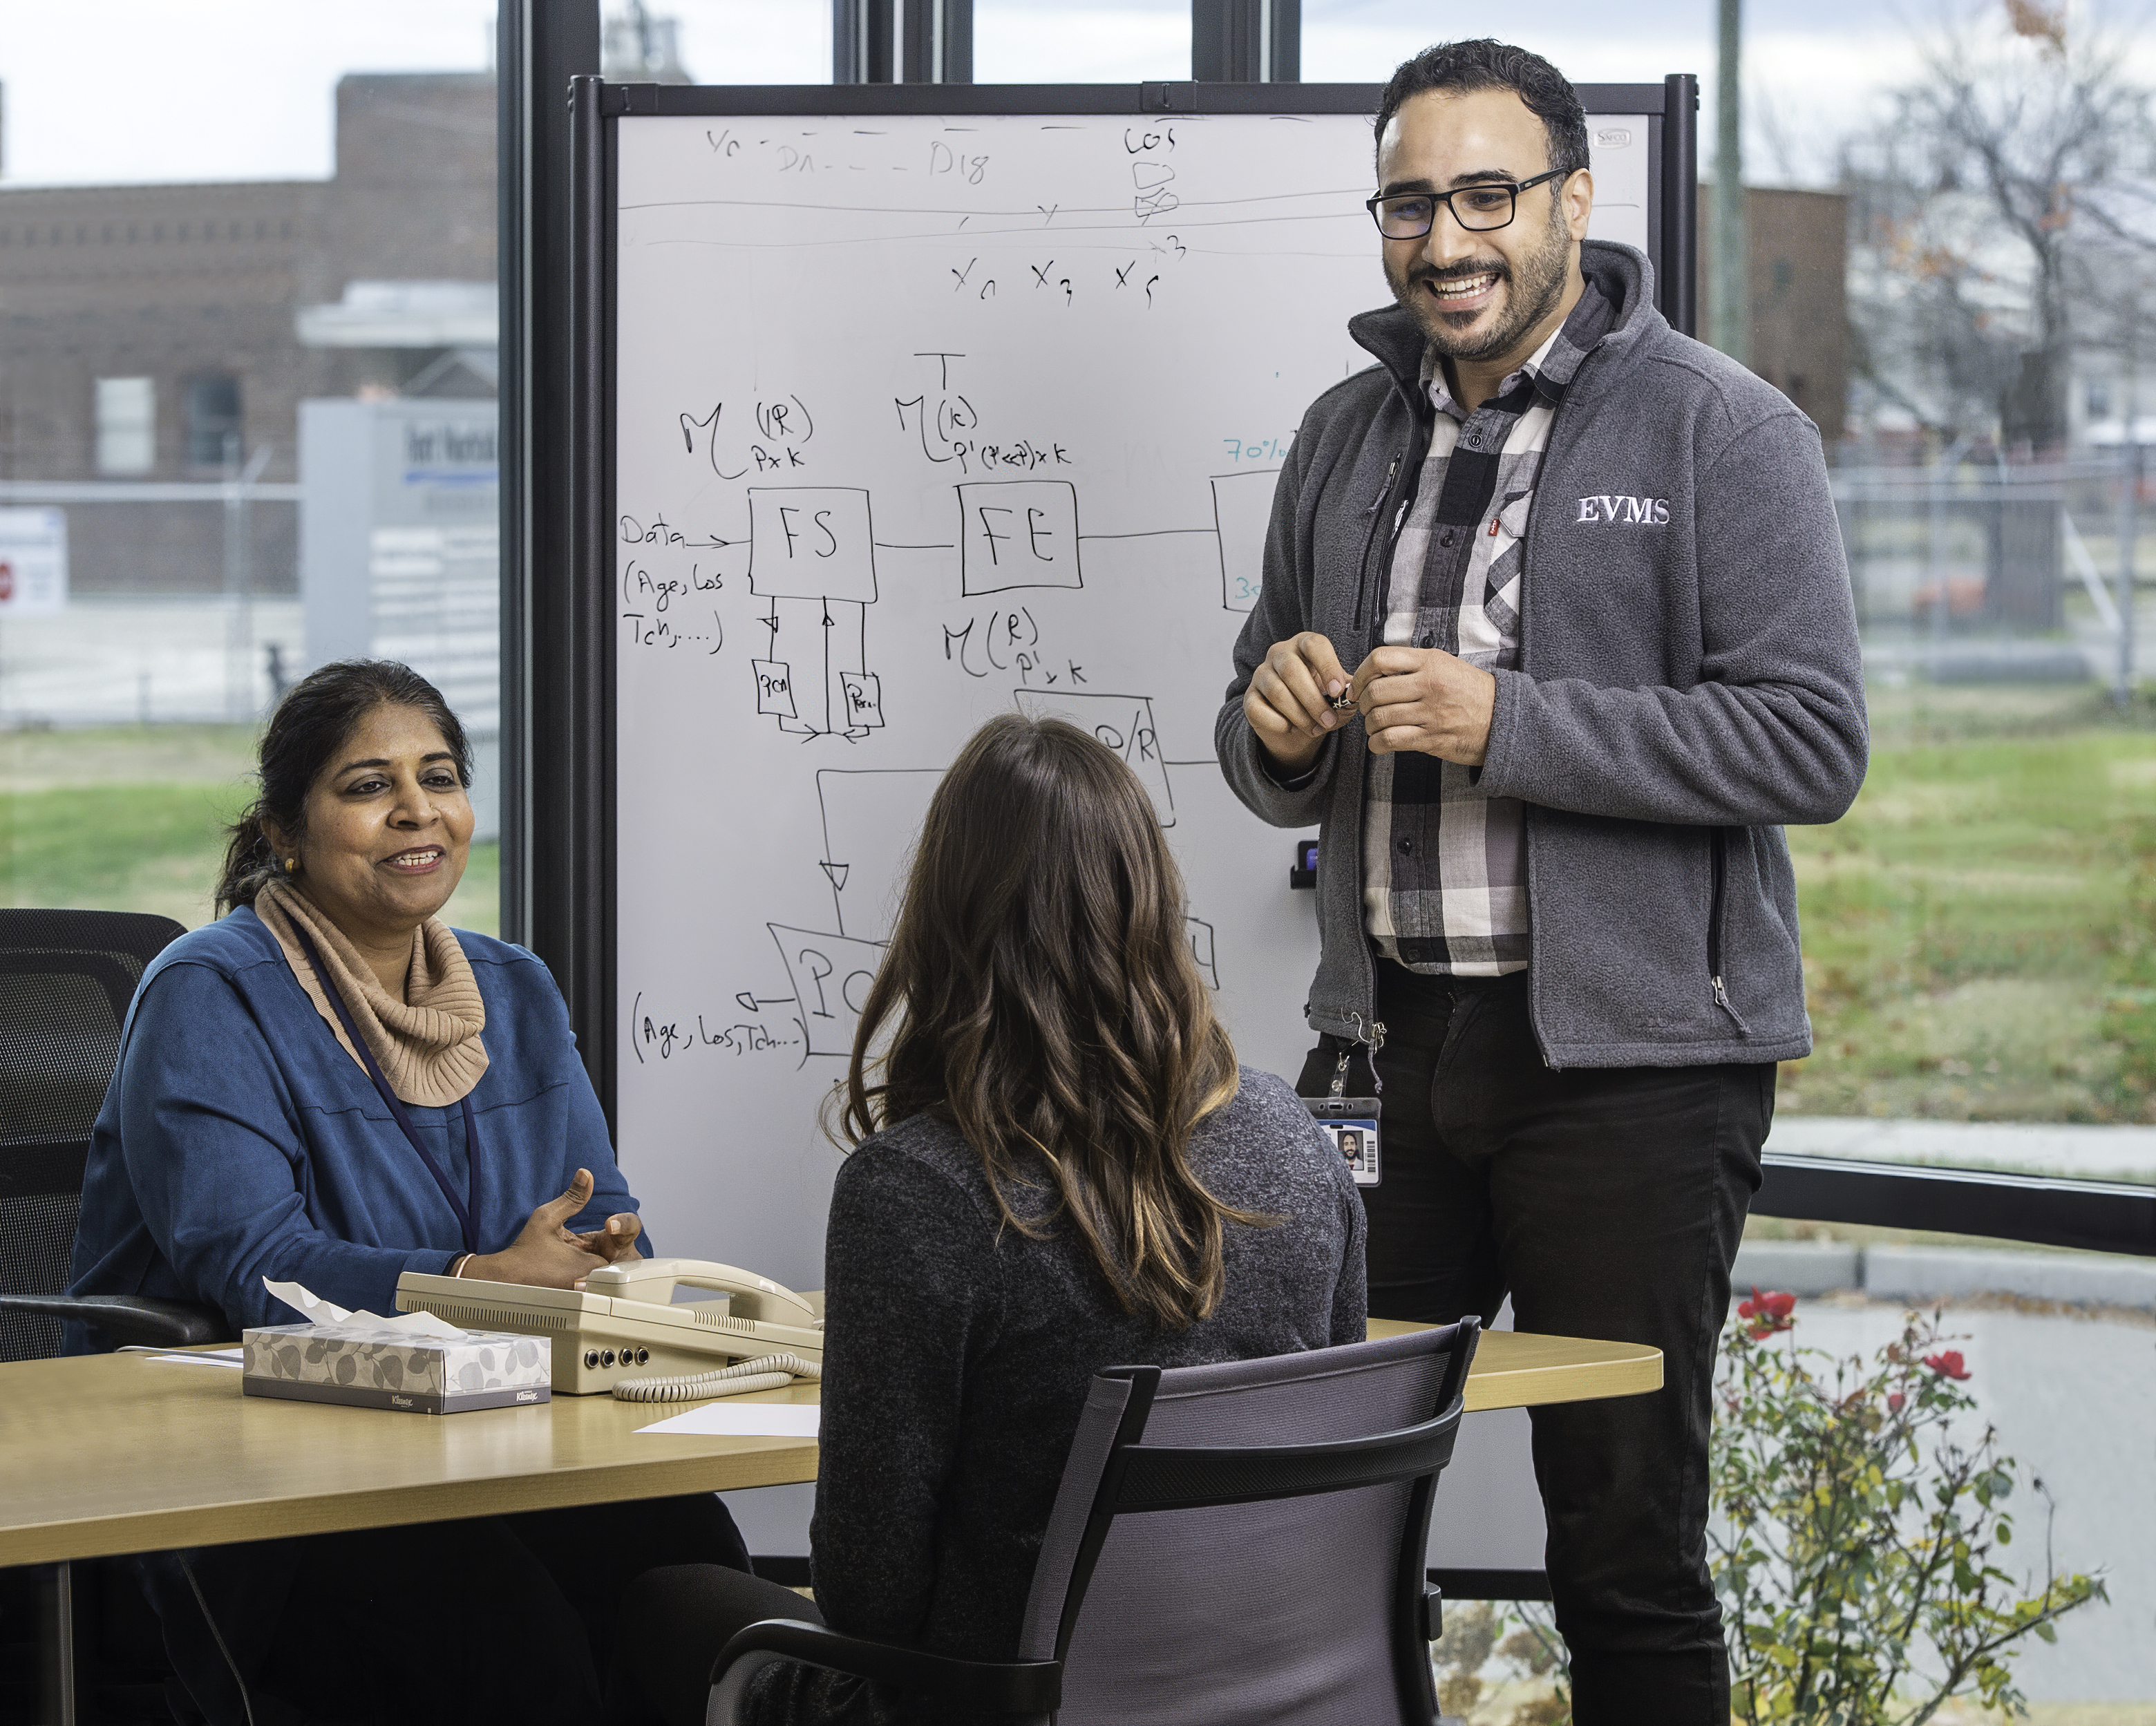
{"x":1858,"y":1540}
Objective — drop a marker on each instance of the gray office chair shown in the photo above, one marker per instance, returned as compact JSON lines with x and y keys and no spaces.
{"x":1230,"y":1543}
{"x":66,"y":978}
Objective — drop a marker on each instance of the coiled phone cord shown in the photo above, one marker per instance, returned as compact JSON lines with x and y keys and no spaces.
{"x":767,"y":1371}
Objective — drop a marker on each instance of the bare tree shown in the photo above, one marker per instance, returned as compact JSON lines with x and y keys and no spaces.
{"x":1987,"y":202}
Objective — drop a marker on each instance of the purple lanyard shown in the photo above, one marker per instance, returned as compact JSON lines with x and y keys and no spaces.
{"x":466,"y":1208}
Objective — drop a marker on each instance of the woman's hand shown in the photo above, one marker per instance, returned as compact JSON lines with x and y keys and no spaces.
{"x":546,"y":1254}
{"x":618,"y":1240}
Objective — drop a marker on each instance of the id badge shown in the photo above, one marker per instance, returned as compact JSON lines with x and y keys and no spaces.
{"x":1351,"y":1122}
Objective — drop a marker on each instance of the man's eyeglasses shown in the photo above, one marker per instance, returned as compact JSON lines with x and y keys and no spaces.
{"x":1410,"y":215}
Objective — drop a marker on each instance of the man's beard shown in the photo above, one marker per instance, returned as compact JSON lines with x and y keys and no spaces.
{"x":1531,"y":295}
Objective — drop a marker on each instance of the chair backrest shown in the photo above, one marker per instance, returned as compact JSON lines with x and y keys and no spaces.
{"x":1215,"y":1558}
{"x":66,"y":978}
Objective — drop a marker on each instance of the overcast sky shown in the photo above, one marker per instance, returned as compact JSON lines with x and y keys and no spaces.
{"x":104,"y":91}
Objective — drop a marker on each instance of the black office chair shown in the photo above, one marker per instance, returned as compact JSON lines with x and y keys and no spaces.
{"x":1230,"y":1543}
{"x":66,"y":978}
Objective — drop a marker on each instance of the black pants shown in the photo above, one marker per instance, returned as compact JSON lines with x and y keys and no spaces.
{"x":1608,"y":1202}
{"x":495,"y":1618}
{"x":682,"y":1617}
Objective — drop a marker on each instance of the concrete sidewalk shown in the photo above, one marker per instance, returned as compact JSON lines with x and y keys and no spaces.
{"x":2126,"y":1154}
{"x":1922,"y":1275}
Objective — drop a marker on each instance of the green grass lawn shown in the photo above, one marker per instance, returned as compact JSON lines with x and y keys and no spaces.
{"x":1976,"y":927}
{"x":133,"y":819}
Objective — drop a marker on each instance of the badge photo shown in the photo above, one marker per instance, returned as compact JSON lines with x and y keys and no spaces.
{"x":1350,"y":1124}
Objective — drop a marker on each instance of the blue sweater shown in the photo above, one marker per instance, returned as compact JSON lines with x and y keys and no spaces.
{"x":239,"y":1141}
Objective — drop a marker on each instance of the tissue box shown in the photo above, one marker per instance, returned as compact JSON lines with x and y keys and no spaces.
{"x":382,"y":1366}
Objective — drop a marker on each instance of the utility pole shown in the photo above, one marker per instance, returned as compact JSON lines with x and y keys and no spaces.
{"x":1941,"y":476}
{"x":2130,"y":529}
{"x":239,"y":482}
{"x":2129,"y":501}
{"x":1732,"y":263}
{"x":238,"y":647}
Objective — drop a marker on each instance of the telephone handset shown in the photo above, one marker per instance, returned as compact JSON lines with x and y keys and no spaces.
{"x":750,"y":1296}
{"x":624,"y":1320}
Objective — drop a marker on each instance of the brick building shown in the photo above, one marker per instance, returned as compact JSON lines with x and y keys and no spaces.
{"x":153,"y":333}
{"x":1799,"y":243}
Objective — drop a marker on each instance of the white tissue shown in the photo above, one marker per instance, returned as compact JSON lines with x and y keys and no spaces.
{"x":312,"y":1308}
{"x":306,"y":1302}
{"x":422,"y":1324}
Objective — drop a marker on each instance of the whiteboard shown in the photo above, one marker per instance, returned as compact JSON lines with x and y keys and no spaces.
{"x":919,"y":418}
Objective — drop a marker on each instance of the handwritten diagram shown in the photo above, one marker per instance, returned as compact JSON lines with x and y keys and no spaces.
{"x":830,"y":976}
{"x":869,"y":819}
{"x":1027,"y":461}
{"x":1242,"y":509}
{"x":1018,"y":533}
{"x":1124,"y":723}
{"x":1200,"y":935}
{"x":812,"y":553}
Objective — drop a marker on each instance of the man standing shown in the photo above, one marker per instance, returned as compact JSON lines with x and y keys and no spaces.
{"x":1555,"y":633}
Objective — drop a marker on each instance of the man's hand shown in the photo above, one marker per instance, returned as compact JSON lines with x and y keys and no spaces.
{"x":1420,"y":698}
{"x":546,"y":1254}
{"x":1289,"y":703}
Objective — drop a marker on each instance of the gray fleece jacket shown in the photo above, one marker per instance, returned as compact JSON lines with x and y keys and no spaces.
{"x":1689,"y":679}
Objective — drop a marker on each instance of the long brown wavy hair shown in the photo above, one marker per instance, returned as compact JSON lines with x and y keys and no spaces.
{"x":1041,"y":997}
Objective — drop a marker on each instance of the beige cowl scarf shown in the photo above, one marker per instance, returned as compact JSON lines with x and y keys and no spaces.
{"x":428,"y":1043}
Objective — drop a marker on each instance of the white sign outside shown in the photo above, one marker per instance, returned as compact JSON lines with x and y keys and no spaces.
{"x":33,"y":562}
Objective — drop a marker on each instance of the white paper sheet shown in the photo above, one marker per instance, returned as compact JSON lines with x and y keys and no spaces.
{"x":745,"y":1420}
{"x":218,"y":1357}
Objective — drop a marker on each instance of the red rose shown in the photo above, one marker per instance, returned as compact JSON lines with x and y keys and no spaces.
{"x":1948,"y":1364}
{"x":1894,"y":1401}
{"x":1768,"y":1312}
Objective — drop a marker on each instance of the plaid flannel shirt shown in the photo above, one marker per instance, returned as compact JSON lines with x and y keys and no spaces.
{"x":1445,"y":881}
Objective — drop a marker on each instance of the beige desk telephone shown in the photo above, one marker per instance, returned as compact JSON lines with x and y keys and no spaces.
{"x":624,"y":1321}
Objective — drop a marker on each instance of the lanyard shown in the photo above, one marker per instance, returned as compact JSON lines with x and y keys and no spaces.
{"x":467,"y":1208}
{"x":1375,"y":1042}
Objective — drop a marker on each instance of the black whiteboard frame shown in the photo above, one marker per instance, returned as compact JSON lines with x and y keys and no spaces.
{"x":586,"y":767}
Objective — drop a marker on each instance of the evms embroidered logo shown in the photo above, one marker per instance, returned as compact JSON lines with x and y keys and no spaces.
{"x":1645,"y":511}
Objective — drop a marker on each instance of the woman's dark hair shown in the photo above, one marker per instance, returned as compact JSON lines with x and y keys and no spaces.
{"x":1459,"y":67}
{"x":1043,"y":1000}
{"x":311,"y":725}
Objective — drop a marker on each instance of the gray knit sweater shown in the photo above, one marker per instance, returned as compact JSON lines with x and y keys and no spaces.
{"x":959,"y":1355}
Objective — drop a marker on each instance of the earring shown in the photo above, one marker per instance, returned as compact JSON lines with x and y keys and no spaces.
{"x":291,"y":866}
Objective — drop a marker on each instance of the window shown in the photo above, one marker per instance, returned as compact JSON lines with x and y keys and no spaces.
{"x":213,"y":421}
{"x":126,"y":425}
{"x":361,"y":184}
{"x":1023,"y":42}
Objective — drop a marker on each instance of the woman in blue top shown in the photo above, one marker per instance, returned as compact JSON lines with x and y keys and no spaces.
{"x":329,"y":1087}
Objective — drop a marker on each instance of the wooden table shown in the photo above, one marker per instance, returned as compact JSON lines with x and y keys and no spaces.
{"x":1519,"y":1369}
{"x":124,"y":1453}
{"x":118,"y":1453}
